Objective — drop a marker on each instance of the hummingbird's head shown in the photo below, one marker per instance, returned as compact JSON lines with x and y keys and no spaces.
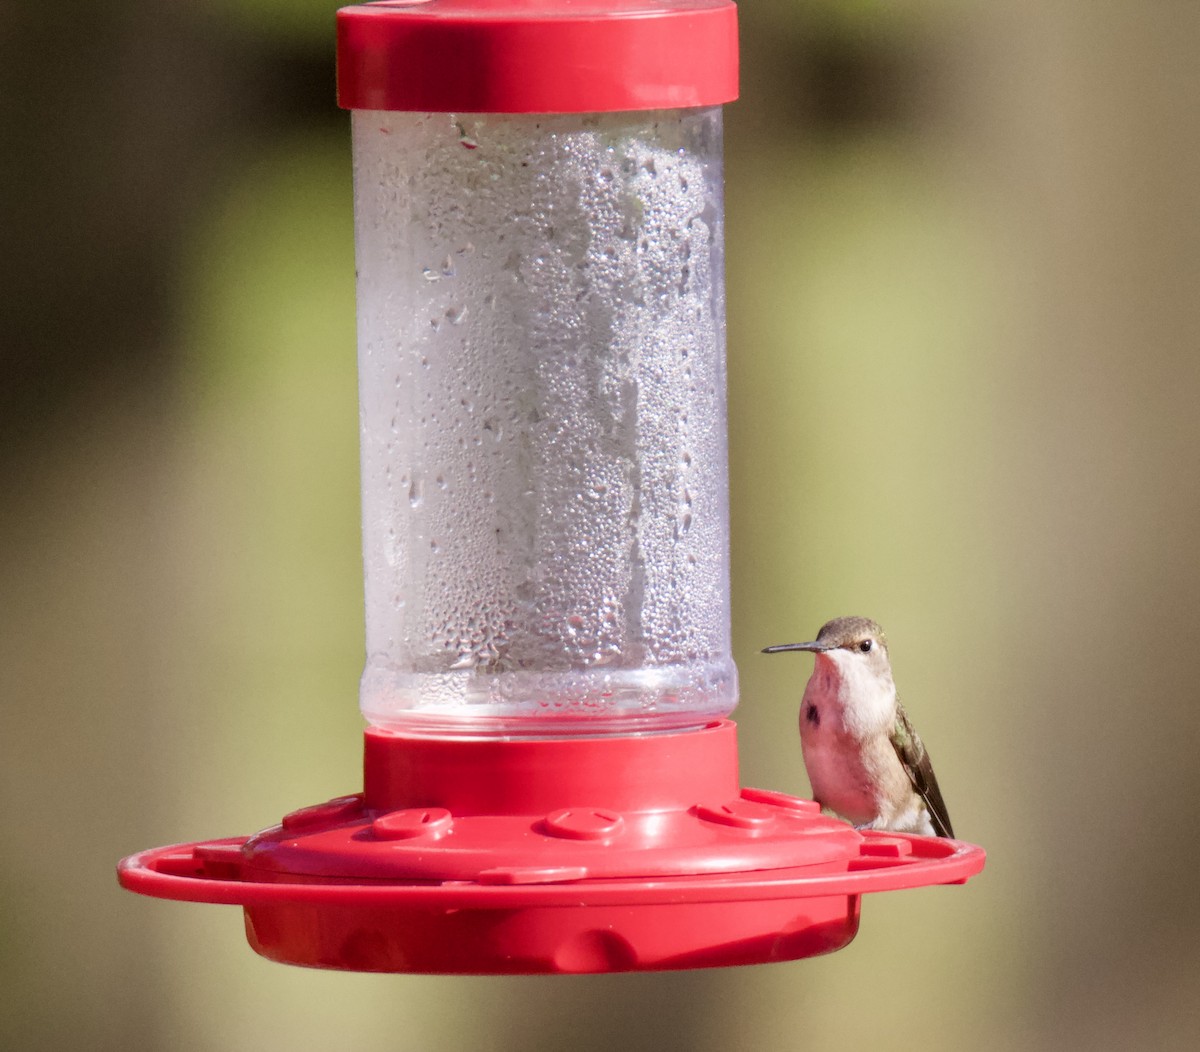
{"x":846,"y":639}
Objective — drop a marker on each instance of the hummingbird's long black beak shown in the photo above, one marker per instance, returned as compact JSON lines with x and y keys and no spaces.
{"x":816,"y":648}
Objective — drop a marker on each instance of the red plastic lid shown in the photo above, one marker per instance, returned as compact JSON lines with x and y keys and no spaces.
{"x":536,"y":56}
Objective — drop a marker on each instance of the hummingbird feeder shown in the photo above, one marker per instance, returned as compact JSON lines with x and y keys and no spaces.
{"x":550,"y":776}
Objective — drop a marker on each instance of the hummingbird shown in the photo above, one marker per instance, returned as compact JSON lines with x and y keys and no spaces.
{"x":864,"y":758}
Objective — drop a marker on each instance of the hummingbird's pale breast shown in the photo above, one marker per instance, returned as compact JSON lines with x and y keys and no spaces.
{"x":848,"y":711}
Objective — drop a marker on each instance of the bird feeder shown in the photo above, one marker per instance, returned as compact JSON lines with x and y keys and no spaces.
{"x":550,"y":777}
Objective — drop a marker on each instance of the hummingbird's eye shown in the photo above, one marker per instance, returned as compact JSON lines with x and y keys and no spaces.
{"x":865,"y":646}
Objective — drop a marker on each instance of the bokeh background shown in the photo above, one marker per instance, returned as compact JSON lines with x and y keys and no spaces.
{"x":964,"y":356}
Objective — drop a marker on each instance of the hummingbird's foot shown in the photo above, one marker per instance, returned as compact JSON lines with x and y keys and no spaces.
{"x":876,"y":825}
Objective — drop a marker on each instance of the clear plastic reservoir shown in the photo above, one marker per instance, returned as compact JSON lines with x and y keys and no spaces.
{"x":542,"y":381}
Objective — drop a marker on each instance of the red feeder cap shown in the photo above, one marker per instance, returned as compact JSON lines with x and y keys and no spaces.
{"x":536,"y":56}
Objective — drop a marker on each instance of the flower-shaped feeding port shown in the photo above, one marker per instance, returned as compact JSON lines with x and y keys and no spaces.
{"x":550,"y":779}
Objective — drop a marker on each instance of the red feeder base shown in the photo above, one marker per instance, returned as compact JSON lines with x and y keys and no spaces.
{"x":546,"y":856}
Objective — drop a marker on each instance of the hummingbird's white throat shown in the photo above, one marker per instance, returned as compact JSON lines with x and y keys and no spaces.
{"x":862,"y":693}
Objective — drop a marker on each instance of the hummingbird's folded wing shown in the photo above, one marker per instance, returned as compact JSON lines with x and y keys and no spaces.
{"x":913,"y":756}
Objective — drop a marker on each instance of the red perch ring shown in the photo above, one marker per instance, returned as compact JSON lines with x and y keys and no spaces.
{"x":550,"y":856}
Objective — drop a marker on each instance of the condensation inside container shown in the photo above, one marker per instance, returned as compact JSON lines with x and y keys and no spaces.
{"x":542,"y":384}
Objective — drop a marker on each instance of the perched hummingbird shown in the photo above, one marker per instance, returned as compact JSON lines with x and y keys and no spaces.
{"x":865,"y":760}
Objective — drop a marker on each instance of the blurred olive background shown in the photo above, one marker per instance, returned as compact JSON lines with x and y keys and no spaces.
{"x":964,"y":357}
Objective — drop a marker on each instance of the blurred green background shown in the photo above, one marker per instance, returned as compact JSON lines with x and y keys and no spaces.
{"x":964,"y":357}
